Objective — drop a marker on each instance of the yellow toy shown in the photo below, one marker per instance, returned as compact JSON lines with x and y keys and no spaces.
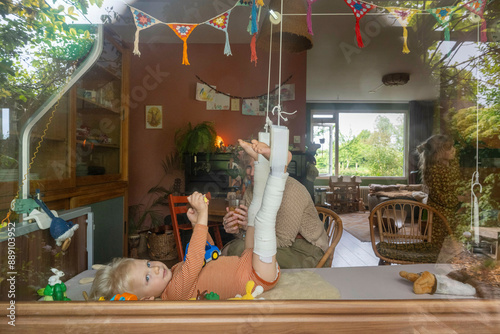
{"x":249,"y":295}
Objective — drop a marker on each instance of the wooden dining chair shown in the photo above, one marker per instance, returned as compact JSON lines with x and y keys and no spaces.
{"x":178,"y":205}
{"x":334,"y":231}
{"x":405,"y":232}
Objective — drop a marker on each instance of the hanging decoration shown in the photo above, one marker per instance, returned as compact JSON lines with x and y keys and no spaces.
{"x":221,"y":22}
{"x":359,"y":9}
{"x":443,"y":16}
{"x":477,"y":7}
{"x":403,"y":16}
{"x":309,"y":16}
{"x":242,"y":97}
{"x":142,"y":21}
{"x":183,"y":31}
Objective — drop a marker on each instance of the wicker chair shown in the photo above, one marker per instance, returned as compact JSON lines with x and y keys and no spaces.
{"x":334,"y":229}
{"x":405,"y":232}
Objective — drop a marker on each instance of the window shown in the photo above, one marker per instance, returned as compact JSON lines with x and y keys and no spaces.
{"x":370,"y":144}
{"x":4,"y":123}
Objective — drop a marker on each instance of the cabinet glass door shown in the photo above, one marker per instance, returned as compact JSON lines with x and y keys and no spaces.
{"x":99,"y":118}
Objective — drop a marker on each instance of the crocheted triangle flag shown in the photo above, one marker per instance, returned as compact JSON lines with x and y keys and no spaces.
{"x":142,"y":21}
{"x":477,"y":7}
{"x":359,"y":9}
{"x":309,"y":16}
{"x":403,"y":16}
{"x":183,"y":31}
{"x":443,"y":16}
{"x":221,"y":22}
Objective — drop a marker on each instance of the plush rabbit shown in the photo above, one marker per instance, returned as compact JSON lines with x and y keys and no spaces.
{"x":53,"y":280}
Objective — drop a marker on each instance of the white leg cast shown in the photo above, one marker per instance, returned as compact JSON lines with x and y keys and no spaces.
{"x":265,"y":221}
{"x":260,"y":178}
{"x":279,"y":149}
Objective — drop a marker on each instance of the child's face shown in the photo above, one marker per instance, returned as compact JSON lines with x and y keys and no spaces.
{"x":149,"y":278}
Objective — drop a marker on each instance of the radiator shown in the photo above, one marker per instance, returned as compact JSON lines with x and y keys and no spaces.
{"x":364,"y":191}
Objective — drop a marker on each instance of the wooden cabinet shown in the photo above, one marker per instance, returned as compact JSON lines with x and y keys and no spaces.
{"x":100,"y":115}
{"x":83,"y":156}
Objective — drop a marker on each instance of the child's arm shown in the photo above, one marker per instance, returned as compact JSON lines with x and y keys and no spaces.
{"x":183,"y":285}
{"x":192,"y":215}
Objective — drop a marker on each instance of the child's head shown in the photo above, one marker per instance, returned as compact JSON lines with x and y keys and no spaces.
{"x":143,"y":278}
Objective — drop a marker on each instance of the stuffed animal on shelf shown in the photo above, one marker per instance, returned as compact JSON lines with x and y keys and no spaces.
{"x":433,"y":283}
{"x":56,"y":289}
{"x":249,"y":295}
{"x":60,"y":230}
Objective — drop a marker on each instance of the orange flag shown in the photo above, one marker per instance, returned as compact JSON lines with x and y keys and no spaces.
{"x":183,"y":31}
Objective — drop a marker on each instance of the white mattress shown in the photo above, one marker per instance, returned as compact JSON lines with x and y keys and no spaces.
{"x":380,"y":282}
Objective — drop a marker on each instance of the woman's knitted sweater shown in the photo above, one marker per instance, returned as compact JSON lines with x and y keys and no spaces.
{"x":296,"y":214}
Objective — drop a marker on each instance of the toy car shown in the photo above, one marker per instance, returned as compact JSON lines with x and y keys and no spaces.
{"x":212,"y":252}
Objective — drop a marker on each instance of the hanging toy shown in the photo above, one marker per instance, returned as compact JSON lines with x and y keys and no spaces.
{"x":55,"y":289}
{"x":60,"y":230}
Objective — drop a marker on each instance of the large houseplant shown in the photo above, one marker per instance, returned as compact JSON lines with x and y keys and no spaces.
{"x":148,"y":215}
{"x":192,"y":140}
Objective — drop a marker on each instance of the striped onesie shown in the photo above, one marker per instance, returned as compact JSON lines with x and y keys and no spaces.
{"x":227,"y":276}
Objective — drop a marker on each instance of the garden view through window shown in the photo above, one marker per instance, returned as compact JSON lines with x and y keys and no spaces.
{"x":369,"y":144}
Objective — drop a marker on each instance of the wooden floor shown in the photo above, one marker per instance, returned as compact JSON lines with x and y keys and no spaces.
{"x":350,"y":252}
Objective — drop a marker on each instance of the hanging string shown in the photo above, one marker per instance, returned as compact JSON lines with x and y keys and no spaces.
{"x":278,"y":106}
{"x":475,"y":176}
{"x":268,"y":121}
{"x":242,"y":97}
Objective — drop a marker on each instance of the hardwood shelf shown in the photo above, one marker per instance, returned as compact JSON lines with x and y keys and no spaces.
{"x":94,"y":106}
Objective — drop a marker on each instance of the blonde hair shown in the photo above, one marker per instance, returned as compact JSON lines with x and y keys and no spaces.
{"x":432,"y":152}
{"x":112,"y":279}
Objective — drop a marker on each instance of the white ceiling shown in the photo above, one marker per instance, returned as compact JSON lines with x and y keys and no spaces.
{"x":337,"y":70}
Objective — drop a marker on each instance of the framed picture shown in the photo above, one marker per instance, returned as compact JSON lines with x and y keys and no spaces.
{"x":154,"y":117}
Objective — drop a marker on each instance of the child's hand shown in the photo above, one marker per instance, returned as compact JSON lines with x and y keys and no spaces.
{"x":192,"y":216}
{"x":198,"y":213}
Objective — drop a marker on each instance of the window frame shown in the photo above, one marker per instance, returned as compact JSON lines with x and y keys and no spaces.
{"x":379,"y":108}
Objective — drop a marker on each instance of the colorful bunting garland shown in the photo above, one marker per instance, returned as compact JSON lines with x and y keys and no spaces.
{"x":359,"y":9}
{"x":443,"y":16}
{"x":183,"y":31}
{"x":142,"y":21}
{"x":309,"y":16}
{"x":221,"y":22}
{"x":477,"y":7}
{"x":403,"y":16}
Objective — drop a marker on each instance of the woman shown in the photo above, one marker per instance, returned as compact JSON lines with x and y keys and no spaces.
{"x":441,"y":176}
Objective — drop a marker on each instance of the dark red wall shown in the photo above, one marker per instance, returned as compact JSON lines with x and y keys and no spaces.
{"x":157,"y":77}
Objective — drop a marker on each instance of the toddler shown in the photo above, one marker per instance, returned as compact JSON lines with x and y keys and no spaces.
{"x":227,"y":276}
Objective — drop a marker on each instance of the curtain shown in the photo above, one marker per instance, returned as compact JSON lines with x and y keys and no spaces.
{"x":421,"y":122}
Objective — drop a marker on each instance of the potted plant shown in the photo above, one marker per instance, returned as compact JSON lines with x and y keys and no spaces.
{"x":192,"y":140}
{"x":149,"y":216}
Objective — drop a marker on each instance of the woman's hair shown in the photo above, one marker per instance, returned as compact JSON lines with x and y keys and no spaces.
{"x":432,"y":151}
{"x":112,"y":279}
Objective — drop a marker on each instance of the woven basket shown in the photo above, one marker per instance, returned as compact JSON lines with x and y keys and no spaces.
{"x":162,"y":246}
{"x":296,"y":37}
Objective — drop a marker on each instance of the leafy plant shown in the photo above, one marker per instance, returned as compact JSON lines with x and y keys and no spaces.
{"x":200,"y":138}
{"x":157,"y":197}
